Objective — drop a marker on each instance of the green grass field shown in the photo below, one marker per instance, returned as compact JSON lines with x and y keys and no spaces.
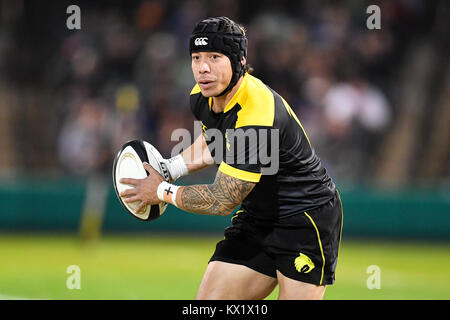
{"x":167,"y":266}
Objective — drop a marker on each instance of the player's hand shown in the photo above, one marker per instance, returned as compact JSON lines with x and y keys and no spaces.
{"x":144,"y":189}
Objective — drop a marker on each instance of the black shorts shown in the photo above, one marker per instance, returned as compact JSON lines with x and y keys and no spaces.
{"x":302,"y":247}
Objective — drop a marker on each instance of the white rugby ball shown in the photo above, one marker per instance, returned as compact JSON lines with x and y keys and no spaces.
{"x":128,"y":164}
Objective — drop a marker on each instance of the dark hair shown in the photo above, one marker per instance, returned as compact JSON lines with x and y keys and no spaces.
{"x":249,"y":69}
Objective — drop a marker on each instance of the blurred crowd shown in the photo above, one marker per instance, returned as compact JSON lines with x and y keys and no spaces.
{"x":126,"y":73}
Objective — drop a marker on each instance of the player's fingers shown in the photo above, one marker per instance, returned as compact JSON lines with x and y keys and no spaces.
{"x":130,"y":181}
{"x":147,"y":167}
{"x":132,"y":199}
{"x":139,"y":207}
{"x":128,"y":192}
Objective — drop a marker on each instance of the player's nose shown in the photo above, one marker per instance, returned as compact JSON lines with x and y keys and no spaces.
{"x":204,"y":67}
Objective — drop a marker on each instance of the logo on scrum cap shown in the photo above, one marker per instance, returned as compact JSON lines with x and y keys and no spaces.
{"x":201,"y":41}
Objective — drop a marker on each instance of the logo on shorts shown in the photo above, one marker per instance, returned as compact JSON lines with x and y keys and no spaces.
{"x":303,"y":263}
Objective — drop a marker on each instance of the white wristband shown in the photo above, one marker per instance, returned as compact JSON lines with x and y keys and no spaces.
{"x":176,"y":167}
{"x":167,"y":192}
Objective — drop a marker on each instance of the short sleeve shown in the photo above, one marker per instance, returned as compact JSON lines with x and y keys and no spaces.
{"x":248,"y":151}
{"x":194,"y":101}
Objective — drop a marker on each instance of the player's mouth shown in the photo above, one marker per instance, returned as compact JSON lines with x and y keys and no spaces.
{"x":205,"y":84}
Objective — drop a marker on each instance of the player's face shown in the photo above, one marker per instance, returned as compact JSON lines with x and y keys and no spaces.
{"x":212,"y":71}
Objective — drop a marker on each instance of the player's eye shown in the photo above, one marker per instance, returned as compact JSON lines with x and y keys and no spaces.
{"x":215,"y":56}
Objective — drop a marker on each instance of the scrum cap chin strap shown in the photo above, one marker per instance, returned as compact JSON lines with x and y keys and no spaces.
{"x":206,"y":37}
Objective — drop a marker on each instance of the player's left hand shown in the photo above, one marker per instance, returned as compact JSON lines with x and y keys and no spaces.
{"x":144,"y":189}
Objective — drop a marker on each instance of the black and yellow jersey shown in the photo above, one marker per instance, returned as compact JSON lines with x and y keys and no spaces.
{"x":270,"y":128}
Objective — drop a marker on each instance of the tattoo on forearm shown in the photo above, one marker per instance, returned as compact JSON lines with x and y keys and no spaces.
{"x":219,"y":198}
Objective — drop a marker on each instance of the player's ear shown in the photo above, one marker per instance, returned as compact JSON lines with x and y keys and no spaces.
{"x":243,"y":61}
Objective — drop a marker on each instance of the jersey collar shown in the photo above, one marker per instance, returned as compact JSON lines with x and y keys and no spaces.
{"x":239,"y":96}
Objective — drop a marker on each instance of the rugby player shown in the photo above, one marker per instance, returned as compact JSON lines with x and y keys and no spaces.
{"x":288,"y":227}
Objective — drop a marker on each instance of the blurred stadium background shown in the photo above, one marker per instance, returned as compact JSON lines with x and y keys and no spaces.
{"x":375,"y":104}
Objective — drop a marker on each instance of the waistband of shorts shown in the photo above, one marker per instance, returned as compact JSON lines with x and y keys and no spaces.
{"x":245,"y":214}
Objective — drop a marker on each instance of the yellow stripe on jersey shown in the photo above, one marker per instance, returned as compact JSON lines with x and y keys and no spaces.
{"x":238,"y":173}
{"x":257,"y":102}
{"x":293,"y":115}
{"x":195,"y":89}
{"x":239,"y":96}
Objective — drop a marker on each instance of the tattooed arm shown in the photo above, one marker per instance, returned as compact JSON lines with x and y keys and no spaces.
{"x":219,"y":198}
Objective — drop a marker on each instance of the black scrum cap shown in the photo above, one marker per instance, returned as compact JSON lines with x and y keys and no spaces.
{"x":222,"y":35}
